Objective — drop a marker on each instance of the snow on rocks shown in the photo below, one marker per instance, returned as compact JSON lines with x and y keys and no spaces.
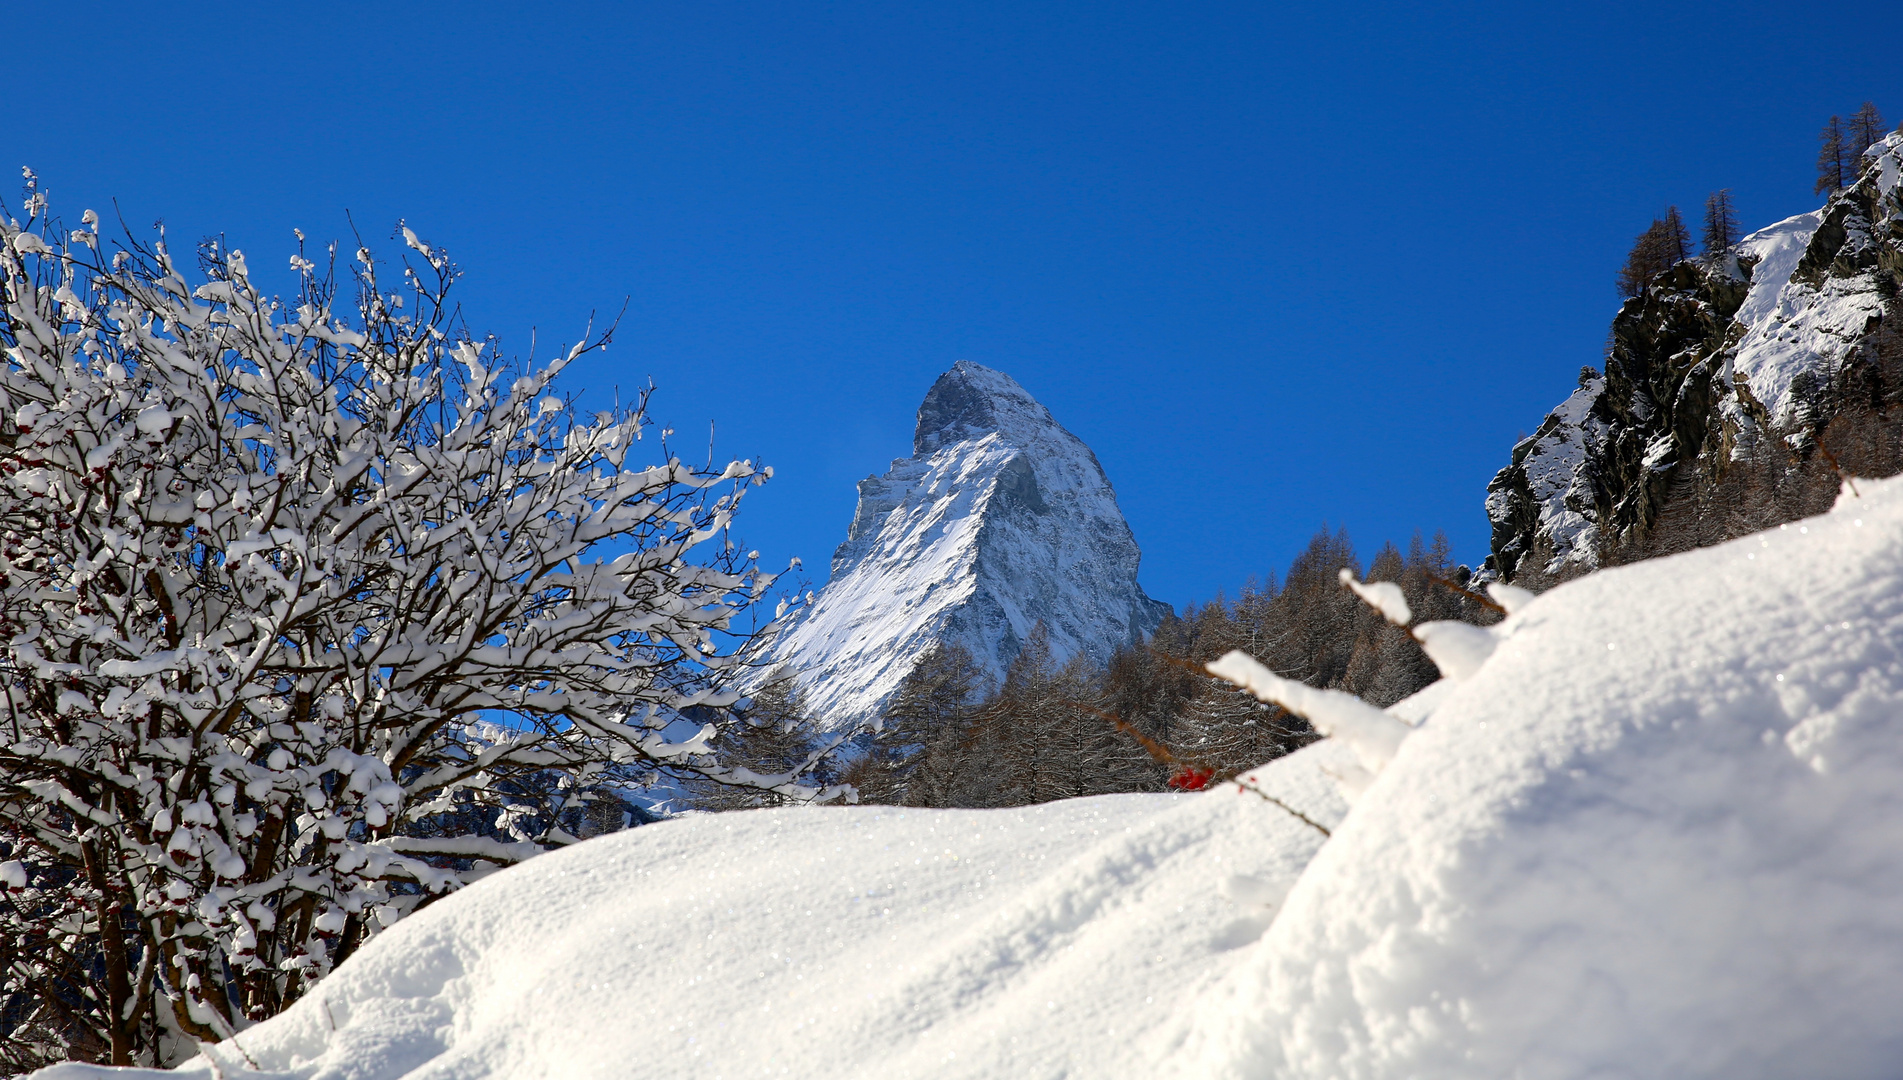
{"x":1556,"y":462}
{"x":1797,"y":325}
{"x":999,"y":520}
{"x":1721,"y":355}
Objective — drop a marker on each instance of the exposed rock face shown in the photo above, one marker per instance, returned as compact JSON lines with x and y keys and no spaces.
{"x":999,"y":520}
{"x":1723,"y":379}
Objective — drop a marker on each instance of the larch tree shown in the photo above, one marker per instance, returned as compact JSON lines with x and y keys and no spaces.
{"x":311,"y":613}
{"x":1661,"y":246}
{"x":1060,"y":731}
{"x":1721,"y":223}
{"x":1866,"y":129}
{"x":1833,"y":157}
{"x":915,"y":755}
{"x":775,"y":735}
{"x":1089,"y":756}
{"x":1223,"y":730}
{"x":1016,"y":722}
{"x":1311,"y":629}
{"x":1678,"y":241}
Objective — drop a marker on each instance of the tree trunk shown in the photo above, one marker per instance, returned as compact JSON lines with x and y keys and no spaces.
{"x":112,"y":942}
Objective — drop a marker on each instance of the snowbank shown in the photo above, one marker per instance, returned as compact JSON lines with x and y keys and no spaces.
{"x":1658,"y":832}
{"x":826,"y":942}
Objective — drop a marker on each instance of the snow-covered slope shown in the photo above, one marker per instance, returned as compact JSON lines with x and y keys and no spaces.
{"x":829,"y":942}
{"x":999,"y":519}
{"x":1712,"y":363}
{"x":1657,"y":832}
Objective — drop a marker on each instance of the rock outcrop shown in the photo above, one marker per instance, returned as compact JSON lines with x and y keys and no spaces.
{"x":1734,"y":389}
{"x":999,"y":520}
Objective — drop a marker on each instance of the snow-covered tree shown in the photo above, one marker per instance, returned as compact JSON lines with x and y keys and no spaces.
{"x":308,"y":616}
{"x":775,"y":734}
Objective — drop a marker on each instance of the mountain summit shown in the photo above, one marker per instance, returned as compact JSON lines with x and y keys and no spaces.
{"x":999,"y":520}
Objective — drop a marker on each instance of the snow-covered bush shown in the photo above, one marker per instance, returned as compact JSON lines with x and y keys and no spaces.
{"x":306,"y":621}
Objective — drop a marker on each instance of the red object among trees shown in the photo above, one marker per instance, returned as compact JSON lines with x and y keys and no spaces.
{"x":1191,"y":779}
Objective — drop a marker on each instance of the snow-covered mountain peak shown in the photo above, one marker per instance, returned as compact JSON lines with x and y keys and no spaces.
{"x":1000,"y":520}
{"x":971,"y":401}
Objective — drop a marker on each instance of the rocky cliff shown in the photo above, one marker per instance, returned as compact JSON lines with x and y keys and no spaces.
{"x":999,"y":520}
{"x":1734,"y":389}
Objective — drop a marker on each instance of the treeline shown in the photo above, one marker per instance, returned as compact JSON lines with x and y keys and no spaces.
{"x":1053,"y":730}
{"x":1667,"y":241}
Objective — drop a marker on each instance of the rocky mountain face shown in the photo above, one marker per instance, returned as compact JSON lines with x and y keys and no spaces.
{"x":999,"y":520}
{"x":1735,"y":391}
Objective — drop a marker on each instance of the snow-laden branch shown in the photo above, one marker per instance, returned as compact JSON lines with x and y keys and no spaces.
{"x":1373,"y":735}
{"x":264,"y":565}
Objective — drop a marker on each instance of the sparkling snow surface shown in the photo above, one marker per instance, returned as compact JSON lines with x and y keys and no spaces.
{"x":1001,"y":519}
{"x":828,"y":942}
{"x":1657,"y":832}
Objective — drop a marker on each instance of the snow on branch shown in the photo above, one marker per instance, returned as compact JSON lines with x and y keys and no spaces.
{"x":266,"y":566}
{"x":1511,"y":598}
{"x":1373,"y":735}
{"x":1456,"y":648}
{"x":1383,"y":596}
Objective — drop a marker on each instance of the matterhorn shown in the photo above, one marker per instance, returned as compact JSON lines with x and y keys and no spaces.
{"x":1000,"y":520}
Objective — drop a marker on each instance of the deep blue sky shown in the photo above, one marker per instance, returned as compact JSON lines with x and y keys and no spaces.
{"x":1276,"y":264}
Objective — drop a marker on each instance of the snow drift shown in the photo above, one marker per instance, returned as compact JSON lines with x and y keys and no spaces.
{"x":1656,"y":834}
{"x":834,"y":942}
{"x":1658,"y":831}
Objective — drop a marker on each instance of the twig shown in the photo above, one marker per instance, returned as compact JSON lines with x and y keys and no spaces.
{"x":1177,"y":661}
{"x":1304,"y":818}
{"x":1156,"y":749}
{"x":217,"y":1068}
{"x":1837,"y":467}
{"x":1448,"y":583}
{"x":248,"y":1060}
{"x":1162,"y":753}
